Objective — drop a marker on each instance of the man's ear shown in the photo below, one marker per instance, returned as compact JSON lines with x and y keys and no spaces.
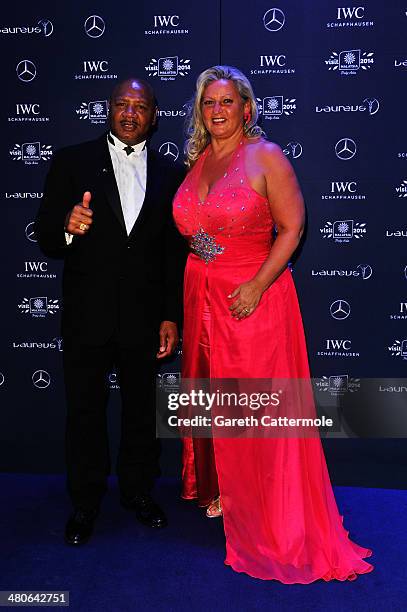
{"x":155,"y":115}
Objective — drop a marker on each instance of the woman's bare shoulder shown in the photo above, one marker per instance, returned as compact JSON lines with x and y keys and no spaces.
{"x":265,"y":147}
{"x":268,"y":154}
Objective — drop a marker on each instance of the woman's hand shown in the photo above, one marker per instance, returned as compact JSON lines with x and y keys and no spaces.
{"x":247,"y":296}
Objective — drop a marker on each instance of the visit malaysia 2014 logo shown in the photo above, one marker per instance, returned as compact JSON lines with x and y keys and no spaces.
{"x":31,"y":153}
{"x":39,"y":307}
{"x":344,"y":230}
{"x":96,"y":111}
{"x":350,"y":62}
{"x":168,"y":68}
{"x":275,"y":107}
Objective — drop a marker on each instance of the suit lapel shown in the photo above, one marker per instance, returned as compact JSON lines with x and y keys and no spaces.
{"x":152,"y":189}
{"x":108,"y":181}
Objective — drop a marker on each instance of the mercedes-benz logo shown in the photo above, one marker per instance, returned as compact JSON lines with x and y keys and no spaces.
{"x":1,"y":378}
{"x":46,"y":26}
{"x":372,"y":104}
{"x":26,"y":71}
{"x":274,"y":19}
{"x":169,"y":149}
{"x":340,"y":309}
{"x":94,"y":26}
{"x":293,"y":149}
{"x":30,"y":233}
{"x":365,"y":270}
{"x":41,"y":379}
{"x":345,"y":148}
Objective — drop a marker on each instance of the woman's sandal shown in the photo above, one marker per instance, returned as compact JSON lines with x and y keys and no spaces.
{"x":214,"y":510}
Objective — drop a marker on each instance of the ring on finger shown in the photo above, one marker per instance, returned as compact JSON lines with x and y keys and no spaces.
{"x":83,"y":227}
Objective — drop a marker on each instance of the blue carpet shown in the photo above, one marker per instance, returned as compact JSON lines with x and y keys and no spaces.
{"x":128,"y":567}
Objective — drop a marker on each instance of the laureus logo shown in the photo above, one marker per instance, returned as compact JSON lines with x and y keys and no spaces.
{"x":368,"y":105}
{"x":54,"y":344}
{"x":293,"y":149}
{"x":363,"y":271}
{"x":44,"y":27}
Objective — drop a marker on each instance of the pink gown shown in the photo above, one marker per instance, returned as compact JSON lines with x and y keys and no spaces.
{"x":280,"y":517}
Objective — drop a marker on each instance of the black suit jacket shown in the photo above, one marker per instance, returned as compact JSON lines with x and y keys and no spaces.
{"x":113,"y":283}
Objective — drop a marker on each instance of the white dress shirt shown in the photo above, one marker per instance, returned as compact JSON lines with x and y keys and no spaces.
{"x":131,"y":177}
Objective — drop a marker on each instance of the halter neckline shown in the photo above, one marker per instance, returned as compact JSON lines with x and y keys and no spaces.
{"x":199,"y":173}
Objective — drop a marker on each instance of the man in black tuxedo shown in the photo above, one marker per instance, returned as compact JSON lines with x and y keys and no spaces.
{"x":107,"y":210}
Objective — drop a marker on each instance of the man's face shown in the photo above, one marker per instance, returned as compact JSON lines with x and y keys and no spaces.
{"x":132,"y":112}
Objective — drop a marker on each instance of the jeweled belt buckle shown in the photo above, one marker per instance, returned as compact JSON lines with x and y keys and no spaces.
{"x":204,"y":245}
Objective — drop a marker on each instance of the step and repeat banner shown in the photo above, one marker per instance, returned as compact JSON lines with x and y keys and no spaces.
{"x":330,"y":81}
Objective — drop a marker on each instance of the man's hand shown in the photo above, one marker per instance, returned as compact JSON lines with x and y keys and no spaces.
{"x":168,"y":339}
{"x":79,"y":219}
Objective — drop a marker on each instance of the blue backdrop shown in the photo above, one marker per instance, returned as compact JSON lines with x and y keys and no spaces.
{"x":330,"y":85}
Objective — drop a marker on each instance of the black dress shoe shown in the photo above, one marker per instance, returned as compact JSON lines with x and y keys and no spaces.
{"x":79,"y":527}
{"x":146,"y":510}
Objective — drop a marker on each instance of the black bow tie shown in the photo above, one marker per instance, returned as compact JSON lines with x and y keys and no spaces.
{"x":128,"y":149}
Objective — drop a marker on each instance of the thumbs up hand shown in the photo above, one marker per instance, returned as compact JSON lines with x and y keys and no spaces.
{"x":87,"y":196}
{"x":79,"y":219}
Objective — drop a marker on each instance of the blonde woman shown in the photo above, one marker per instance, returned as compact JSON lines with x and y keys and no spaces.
{"x":242,"y":321}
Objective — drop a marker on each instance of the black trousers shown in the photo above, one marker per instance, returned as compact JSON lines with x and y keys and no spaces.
{"x":86,"y":370}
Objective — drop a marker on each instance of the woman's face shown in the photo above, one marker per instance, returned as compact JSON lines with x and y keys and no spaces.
{"x":223,"y":109}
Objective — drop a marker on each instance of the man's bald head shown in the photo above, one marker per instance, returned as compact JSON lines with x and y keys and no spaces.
{"x":134,"y":84}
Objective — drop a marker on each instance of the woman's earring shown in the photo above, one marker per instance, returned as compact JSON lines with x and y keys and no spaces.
{"x":246,"y":117}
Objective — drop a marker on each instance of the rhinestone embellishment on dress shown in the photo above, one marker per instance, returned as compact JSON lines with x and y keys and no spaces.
{"x":204,"y":245}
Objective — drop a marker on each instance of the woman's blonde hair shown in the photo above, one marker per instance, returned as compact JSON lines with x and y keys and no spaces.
{"x":197,"y":134}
